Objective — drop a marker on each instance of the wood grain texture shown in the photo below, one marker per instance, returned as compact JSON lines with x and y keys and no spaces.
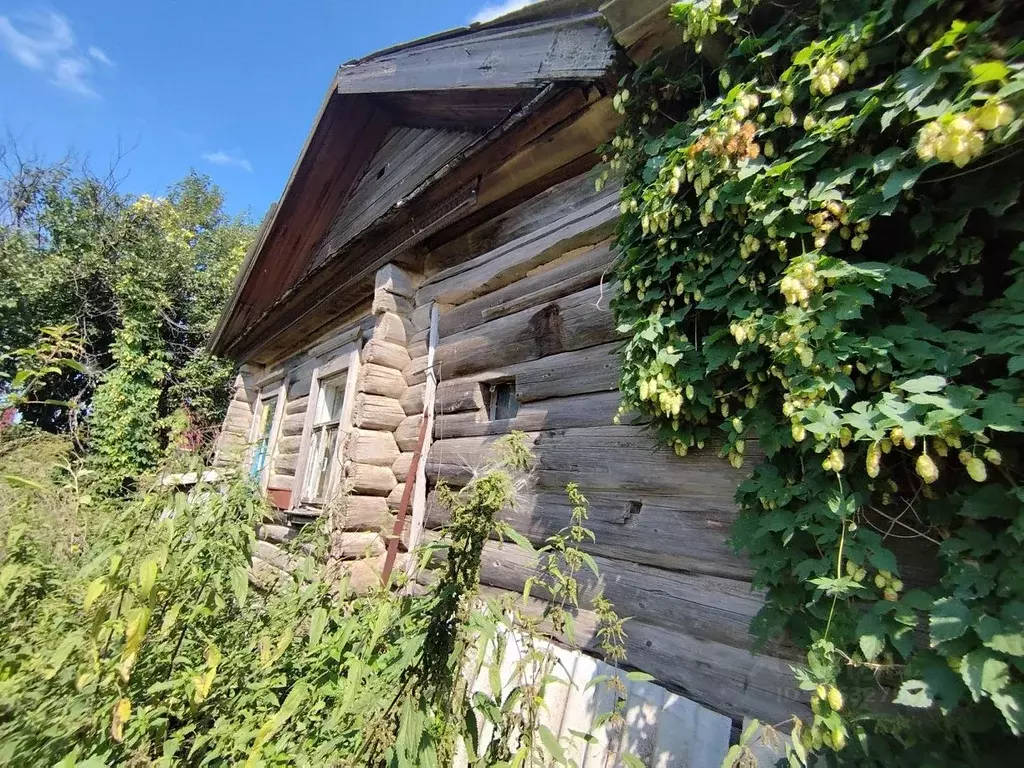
{"x":369,"y":479}
{"x":376,"y":412}
{"x":521,"y":56}
{"x":572,"y":322}
{"x":386,"y":354}
{"x":590,"y":410}
{"x":368,"y":446}
{"x":364,"y":513}
{"x":609,"y":458}
{"x":380,"y":380}
{"x":513,"y":261}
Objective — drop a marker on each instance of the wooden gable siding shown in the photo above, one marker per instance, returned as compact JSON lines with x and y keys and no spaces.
{"x":455,"y":110}
{"x":568,"y":120}
{"x":405,"y":159}
{"x":332,"y":164}
{"x":521,"y":56}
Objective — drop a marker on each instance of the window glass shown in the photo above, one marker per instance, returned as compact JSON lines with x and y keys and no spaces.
{"x":324,"y":440}
{"x":264,"y":431}
{"x":502,"y":402}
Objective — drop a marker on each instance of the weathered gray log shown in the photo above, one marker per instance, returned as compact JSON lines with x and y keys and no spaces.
{"x":395,"y":497}
{"x":401,"y":466}
{"x":513,"y":261}
{"x":379,"y":380}
{"x":377,"y":412}
{"x":281,"y":480}
{"x":292,"y":425}
{"x":364,"y":513}
{"x":393,"y":329}
{"x":678,"y":532}
{"x":276,"y":533}
{"x":396,"y":280}
{"x":412,"y":400}
{"x":728,"y":679}
{"x":286,"y":464}
{"x":408,"y":432}
{"x":457,"y":395}
{"x":570,"y":273}
{"x":526,"y":55}
{"x":351,"y":545}
{"x":369,"y":479}
{"x":287,"y":444}
{"x":386,"y":354}
{"x":572,"y":322}
{"x":296,"y":404}
{"x":591,"y":410}
{"x":372,"y":446}
{"x":417,"y":344}
{"x":416,"y":371}
{"x":553,"y":204}
{"x":613,"y":458}
{"x":385,"y":301}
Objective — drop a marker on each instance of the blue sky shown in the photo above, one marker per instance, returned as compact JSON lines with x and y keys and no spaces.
{"x":228,"y":87}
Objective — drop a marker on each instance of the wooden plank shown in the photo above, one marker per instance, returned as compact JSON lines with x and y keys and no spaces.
{"x":706,"y":607}
{"x":591,"y":410}
{"x":572,"y":322}
{"x":474,"y":108}
{"x":572,"y":272}
{"x":457,"y":395}
{"x":521,"y":56}
{"x":555,"y":202}
{"x":610,"y":458}
{"x":514,"y":261}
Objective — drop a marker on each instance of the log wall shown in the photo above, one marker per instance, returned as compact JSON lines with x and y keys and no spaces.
{"x":526,"y":299}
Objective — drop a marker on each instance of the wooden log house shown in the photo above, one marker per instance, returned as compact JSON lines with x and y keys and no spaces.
{"x":440,"y":253}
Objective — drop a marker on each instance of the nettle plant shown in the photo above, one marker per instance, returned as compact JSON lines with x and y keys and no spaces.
{"x":820,"y":249}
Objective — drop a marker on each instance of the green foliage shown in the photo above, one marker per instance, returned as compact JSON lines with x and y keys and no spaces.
{"x":820,"y":248}
{"x":142,"y":280}
{"x":148,"y":644}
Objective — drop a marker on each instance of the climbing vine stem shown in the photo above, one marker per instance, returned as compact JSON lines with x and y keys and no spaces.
{"x":821,"y":277}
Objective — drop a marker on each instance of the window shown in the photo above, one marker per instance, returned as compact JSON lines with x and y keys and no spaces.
{"x":324,"y":438}
{"x":501,"y":400}
{"x":266,"y":410}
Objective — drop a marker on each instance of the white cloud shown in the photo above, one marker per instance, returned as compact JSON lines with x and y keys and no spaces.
{"x":493,"y":11}
{"x":45,"y":43}
{"x":233,"y":159}
{"x":100,"y":55}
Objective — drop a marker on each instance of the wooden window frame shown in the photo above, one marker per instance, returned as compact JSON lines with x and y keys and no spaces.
{"x":490,"y":393}
{"x":343,"y":364}
{"x":274,"y":386}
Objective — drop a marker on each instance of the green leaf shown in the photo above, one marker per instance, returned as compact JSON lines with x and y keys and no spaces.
{"x":914,"y":693}
{"x":923,"y":384}
{"x":551,"y":744}
{"x":871,"y":633}
{"x":989,"y":71}
{"x":639,"y":677}
{"x":900,"y":181}
{"x":239,"y":580}
{"x":984,"y":673}
{"x":993,"y":635}
{"x":317,"y":623}
{"x":1010,"y":703}
{"x":949,"y":619}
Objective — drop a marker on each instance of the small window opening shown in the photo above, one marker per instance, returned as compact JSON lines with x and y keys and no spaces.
{"x":380,"y":173}
{"x":501,"y":400}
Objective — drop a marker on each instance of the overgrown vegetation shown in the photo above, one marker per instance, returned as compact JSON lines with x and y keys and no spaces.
{"x":820,"y":248}
{"x":132,"y":635}
{"x":141,"y":282}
